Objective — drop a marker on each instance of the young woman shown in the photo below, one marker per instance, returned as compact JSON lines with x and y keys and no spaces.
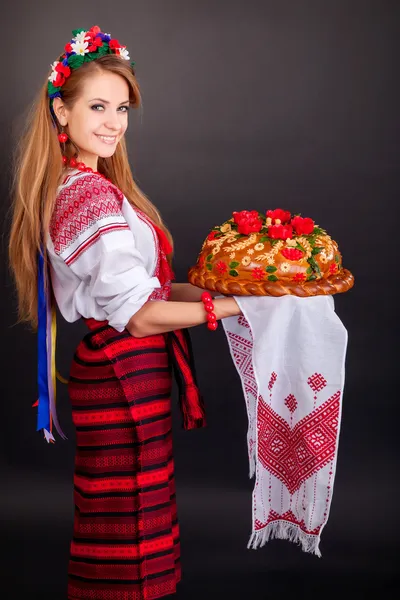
{"x":84,"y":234}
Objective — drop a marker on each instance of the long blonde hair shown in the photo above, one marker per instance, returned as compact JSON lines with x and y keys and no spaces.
{"x":38,"y":171}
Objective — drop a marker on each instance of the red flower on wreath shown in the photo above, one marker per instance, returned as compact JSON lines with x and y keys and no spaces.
{"x":63,"y":72}
{"x":302,"y":226}
{"x":299,"y":277}
{"x":212,"y":235}
{"x":248,"y":221}
{"x":278,"y":213}
{"x":221,"y":267}
{"x":280,"y":232}
{"x":258,"y":273}
{"x":94,"y":42}
{"x":114,"y":44}
{"x":292,"y":253}
{"x":332,"y":268}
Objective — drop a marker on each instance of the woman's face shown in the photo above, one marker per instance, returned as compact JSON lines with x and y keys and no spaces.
{"x":102,"y":110}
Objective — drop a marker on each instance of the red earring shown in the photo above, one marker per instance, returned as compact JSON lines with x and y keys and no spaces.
{"x":62,"y":137}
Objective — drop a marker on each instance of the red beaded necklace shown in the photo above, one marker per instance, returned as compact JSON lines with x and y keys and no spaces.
{"x":74,"y":164}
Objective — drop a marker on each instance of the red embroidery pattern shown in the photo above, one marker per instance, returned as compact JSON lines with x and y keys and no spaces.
{"x":79,"y":205}
{"x":243,"y":322}
{"x":293,"y":455}
{"x":289,"y":517}
{"x":242,"y":357}
{"x":316,"y":382}
{"x":291,"y":403}
{"x":272,"y":380}
{"x":162,"y":270}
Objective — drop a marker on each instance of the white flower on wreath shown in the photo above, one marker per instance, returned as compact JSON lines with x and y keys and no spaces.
{"x":215,"y":250}
{"x":250,"y":251}
{"x":80,"y":47}
{"x":232,"y":255}
{"x":259,"y":246}
{"x":246,"y":260}
{"x":80,"y":37}
{"x":54,"y":73}
{"x":124,"y":53}
{"x":285,"y":267}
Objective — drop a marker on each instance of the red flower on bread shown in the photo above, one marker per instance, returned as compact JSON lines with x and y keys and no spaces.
{"x":292,"y":253}
{"x":278,"y":213}
{"x":248,"y":221}
{"x":302,"y":226}
{"x":221,"y":267}
{"x":299,"y":277}
{"x":280,"y":232}
{"x":258,"y":273}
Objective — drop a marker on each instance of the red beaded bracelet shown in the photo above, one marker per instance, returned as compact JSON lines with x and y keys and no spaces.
{"x":209,"y":306}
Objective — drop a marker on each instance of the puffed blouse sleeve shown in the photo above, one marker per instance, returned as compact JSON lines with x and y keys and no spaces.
{"x":92,"y":236}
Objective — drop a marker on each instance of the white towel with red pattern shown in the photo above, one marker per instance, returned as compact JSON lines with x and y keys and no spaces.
{"x":290,"y":355}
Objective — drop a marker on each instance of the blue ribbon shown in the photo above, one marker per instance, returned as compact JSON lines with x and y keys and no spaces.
{"x":43,"y":416}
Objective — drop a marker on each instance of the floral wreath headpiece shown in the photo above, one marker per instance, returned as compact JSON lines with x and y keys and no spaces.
{"x":84,"y":47}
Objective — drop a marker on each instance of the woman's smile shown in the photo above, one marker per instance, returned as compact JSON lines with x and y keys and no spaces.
{"x":107,"y":139}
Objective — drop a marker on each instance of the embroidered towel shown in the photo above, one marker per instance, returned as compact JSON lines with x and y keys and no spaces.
{"x":290,"y":355}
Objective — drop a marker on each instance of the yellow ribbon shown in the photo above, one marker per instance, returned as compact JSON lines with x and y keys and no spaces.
{"x":54,"y":372}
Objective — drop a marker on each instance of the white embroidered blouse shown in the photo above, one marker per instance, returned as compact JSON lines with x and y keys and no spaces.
{"x":103,"y":252}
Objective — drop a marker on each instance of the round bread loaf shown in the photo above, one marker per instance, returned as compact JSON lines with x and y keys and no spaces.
{"x":270,"y":254}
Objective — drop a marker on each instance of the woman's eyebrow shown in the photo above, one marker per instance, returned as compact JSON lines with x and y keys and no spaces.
{"x":106,"y":101}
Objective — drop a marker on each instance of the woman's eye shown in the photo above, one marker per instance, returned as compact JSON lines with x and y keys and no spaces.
{"x":101,"y":106}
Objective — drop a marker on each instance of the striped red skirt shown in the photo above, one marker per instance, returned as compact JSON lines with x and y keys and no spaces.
{"x":125,"y":542}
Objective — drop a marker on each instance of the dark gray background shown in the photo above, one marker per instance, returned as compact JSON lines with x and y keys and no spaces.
{"x":247,"y":105}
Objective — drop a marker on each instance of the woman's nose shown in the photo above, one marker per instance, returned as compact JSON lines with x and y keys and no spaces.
{"x":113,"y":123}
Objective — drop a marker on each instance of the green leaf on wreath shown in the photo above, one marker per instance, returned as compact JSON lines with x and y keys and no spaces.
{"x":76,"y":31}
{"x":270,"y":269}
{"x":309,"y":271}
{"x":316,"y":250}
{"x":311,"y":278}
{"x":233,"y":273}
{"x":233,"y":265}
{"x":209,"y":257}
{"x":209,"y":266}
{"x":75,"y":61}
{"x":272,"y":278}
{"x":103,"y":49}
{"x":299,"y":247}
{"x":273,"y":242}
{"x":337,"y":258}
{"x":264,"y":238}
{"x":51,"y":89}
{"x":240,"y":235}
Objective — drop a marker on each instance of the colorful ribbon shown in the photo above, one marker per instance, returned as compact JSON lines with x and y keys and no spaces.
{"x":47,"y":372}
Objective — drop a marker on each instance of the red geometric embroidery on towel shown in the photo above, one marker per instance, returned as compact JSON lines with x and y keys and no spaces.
{"x":295,"y":454}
